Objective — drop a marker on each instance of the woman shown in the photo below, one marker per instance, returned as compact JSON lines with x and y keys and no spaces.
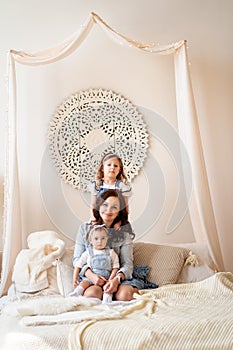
{"x":110,"y":209}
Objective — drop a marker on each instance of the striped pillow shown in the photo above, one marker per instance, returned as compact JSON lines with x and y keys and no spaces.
{"x":165,"y":262}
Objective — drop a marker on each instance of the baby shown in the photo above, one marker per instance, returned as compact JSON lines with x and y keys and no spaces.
{"x":101,"y":260}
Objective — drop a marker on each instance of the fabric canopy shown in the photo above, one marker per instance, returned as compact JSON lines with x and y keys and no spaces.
{"x":201,"y":210}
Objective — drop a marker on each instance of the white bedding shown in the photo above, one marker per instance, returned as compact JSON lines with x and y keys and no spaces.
{"x":186,"y":316}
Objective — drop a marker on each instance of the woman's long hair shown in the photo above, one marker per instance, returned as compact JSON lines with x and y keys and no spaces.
{"x":122,"y":216}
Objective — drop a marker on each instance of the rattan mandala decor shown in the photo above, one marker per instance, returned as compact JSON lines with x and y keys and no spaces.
{"x":88,"y":125}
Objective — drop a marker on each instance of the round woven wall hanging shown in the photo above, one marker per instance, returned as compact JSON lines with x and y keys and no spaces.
{"x":88,"y":125}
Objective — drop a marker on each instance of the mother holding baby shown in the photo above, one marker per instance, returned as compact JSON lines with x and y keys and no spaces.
{"x":110,"y":210}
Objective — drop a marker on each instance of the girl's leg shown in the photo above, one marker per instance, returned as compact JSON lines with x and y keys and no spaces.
{"x":79,"y":290}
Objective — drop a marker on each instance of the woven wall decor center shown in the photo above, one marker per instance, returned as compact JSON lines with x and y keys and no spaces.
{"x":88,"y":125}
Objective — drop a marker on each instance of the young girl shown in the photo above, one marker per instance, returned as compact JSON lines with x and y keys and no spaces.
{"x":101,"y":260}
{"x":110,"y":175}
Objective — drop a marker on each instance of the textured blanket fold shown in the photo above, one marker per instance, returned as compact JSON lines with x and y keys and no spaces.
{"x":195,"y":316}
{"x":188,"y":316}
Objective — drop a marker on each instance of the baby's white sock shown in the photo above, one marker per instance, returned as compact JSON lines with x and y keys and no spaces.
{"x":107,"y":298}
{"x":79,"y":290}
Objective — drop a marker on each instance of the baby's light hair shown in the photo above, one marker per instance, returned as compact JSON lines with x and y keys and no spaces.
{"x":97,"y":228}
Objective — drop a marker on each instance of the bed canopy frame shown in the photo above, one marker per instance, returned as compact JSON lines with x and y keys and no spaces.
{"x":201,"y":209}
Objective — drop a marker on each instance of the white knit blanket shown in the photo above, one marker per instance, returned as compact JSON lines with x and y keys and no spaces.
{"x":186,"y":316}
{"x":189,"y":316}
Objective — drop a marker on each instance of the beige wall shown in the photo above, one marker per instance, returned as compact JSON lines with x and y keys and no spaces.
{"x":207,"y":26}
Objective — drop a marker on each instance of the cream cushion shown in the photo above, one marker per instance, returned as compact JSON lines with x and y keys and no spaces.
{"x":165,"y":262}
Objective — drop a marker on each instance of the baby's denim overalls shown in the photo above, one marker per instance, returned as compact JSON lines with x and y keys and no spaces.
{"x":100,"y":264}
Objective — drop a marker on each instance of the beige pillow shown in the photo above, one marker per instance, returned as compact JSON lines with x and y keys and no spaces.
{"x":165,"y":262}
{"x":204,"y":268}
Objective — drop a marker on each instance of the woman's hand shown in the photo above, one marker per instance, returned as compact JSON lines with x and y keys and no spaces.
{"x":96,"y":279}
{"x":111,"y":286}
{"x":117,"y":225}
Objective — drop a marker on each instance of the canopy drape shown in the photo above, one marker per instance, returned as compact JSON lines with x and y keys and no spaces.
{"x":201,"y":209}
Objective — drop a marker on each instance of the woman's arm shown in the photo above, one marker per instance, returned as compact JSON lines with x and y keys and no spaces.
{"x":81,"y":242}
{"x":113,"y":273}
{"x":126,"y":257}
{"x":112,"y":284}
